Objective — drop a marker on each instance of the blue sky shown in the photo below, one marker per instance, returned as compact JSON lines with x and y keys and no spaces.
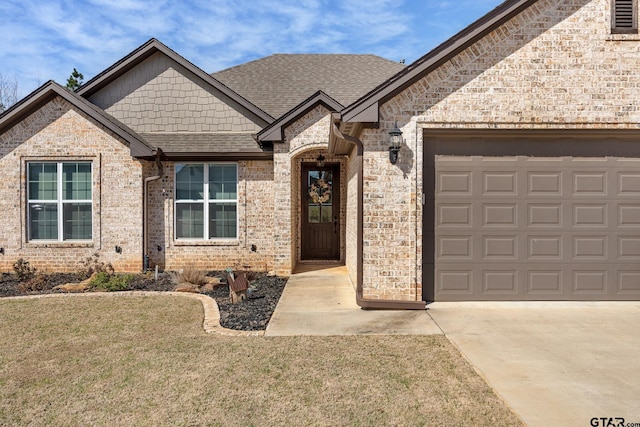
{"x":43,"y":40}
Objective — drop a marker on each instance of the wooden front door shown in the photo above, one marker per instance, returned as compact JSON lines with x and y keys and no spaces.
{"x":320,"y":222}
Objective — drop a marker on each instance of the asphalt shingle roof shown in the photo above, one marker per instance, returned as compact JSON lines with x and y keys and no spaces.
{"x":203,"y":142}
{"x":280,"y":82}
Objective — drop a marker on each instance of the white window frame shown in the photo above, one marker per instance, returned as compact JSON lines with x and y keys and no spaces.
{"x":60,"y":202}
{"x":207,"y":203}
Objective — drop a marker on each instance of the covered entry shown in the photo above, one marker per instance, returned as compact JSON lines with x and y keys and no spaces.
{"x":535,"y":216}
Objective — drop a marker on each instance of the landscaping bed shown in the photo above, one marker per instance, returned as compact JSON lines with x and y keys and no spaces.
{"x":253,"y":314}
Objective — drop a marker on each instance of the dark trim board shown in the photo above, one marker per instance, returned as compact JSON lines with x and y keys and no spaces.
{"x":551,"y":143}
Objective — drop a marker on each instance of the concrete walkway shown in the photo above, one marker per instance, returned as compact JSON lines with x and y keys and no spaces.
{"x":555,"y":364}
{"x":320,"y":300}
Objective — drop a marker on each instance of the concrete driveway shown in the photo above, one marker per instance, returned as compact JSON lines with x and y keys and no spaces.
{"x":553,"y":363}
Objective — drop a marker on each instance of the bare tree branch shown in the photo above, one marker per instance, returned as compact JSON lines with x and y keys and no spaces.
{"x":8,"y":91}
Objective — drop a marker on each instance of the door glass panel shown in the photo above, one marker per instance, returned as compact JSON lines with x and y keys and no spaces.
{"x":320,"y":192}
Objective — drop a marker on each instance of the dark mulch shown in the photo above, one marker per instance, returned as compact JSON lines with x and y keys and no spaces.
{"x":252,"y":314}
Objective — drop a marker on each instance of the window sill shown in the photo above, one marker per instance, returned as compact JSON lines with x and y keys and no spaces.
{"x":623,"y":37}
{"x":60,"y":245}
{"x":232,"y":242}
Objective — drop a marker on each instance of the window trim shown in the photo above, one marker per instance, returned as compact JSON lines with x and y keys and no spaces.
{"x":60,"y":202}
{"x":624,"y":30}
{"x":206,"y":202}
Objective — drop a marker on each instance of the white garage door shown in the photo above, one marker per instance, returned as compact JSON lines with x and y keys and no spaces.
{"x":536,"y":228}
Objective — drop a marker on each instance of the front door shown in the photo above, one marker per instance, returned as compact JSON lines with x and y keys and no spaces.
{"x":320,"y":222}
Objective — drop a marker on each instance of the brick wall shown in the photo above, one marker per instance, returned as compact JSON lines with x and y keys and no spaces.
{"x":255,"y":216}
{"x":351,"y":217}
{"x":59,"y":132}
{"x":554,"y":66}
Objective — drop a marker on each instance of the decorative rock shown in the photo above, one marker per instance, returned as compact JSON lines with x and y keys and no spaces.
{"x":214,"y":281}
{"x":73,"y":287}
{"x":187,"y":287}
{"x":271,"y":274}
{"x":208,"y":287}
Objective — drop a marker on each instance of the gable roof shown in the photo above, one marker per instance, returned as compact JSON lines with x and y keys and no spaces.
{"x":48,"y":91}
{"x":278,"y":83}
{"x":149,"y":48}
{"x":365,"y":109}
{"x":274,"y":132}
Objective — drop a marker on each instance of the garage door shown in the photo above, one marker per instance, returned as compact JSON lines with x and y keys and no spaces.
{"x":535,"y":226}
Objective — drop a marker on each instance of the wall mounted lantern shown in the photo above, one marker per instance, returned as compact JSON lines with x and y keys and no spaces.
{"x":395,"y":141}
{"x":118,"y":249}
{"x":320,"y":161}
{"x":1,"y":251}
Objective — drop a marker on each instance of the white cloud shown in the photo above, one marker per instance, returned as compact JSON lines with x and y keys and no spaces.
{"x":46,"y":40}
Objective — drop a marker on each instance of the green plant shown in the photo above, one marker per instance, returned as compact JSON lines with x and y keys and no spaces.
{"x":92,"y":265}
{"x":111,"y":282}
{"x":23,"y":270}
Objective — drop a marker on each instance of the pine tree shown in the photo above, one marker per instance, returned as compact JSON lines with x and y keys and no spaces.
{"x":75,"y":80}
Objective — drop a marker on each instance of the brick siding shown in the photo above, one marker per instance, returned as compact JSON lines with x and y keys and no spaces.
{"x":554,"y":66}
{"x":60,"y":132}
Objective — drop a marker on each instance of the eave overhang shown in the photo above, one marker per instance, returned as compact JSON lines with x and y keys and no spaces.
{"x":366,"y":109}
{"x":50,"y":90}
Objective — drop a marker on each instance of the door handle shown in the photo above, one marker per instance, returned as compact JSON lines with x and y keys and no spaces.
{"x":335,"y":225}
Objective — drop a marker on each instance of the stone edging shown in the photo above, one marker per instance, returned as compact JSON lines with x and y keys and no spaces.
{"x":211,"y":322}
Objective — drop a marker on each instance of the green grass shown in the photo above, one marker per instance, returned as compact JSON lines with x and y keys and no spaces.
{"x":147,"y":361}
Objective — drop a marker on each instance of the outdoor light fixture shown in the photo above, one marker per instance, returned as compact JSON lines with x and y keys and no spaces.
{"x":320,"y":161}
{"x":2,"y":251}
{"x":118,"y":249}
{"x":395,"y":141}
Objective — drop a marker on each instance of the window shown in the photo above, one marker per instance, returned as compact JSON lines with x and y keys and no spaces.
{"x":624,"y":16}
{"x":206,"y":203}
{"x":59,"y":201}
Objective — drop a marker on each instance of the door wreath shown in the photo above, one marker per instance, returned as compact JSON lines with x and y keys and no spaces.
{"x":320,"y":191}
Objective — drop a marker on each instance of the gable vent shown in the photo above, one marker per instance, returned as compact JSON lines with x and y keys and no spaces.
{"x":624,"y":16}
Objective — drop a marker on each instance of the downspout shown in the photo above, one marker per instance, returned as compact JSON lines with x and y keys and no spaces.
{"x":368,"y":304}
{"x":145,"y":214}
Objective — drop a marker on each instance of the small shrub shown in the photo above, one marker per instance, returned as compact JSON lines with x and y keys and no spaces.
{"x":35,"y":284}
{"x":189,"y":275}
{"x":111,"y":282}
{"x":23,"y":270}
{"x":93,"y":265}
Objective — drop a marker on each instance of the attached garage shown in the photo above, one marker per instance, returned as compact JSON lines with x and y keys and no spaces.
{"x":531,"y":216}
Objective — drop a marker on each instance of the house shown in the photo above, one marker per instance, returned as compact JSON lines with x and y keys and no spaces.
{"x":517,"y":175}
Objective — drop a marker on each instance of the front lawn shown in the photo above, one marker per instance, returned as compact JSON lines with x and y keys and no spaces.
{"x":147,"y":361}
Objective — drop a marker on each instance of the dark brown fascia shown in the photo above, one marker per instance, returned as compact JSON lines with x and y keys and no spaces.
{"x":210,"y":156}
{"x":366,"y":109}
{"x":275,"y":131}
{"x":149,"y":48}
{"x":48,"y":91}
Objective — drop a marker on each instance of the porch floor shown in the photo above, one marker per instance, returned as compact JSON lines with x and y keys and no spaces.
{"x":319,"y":299}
